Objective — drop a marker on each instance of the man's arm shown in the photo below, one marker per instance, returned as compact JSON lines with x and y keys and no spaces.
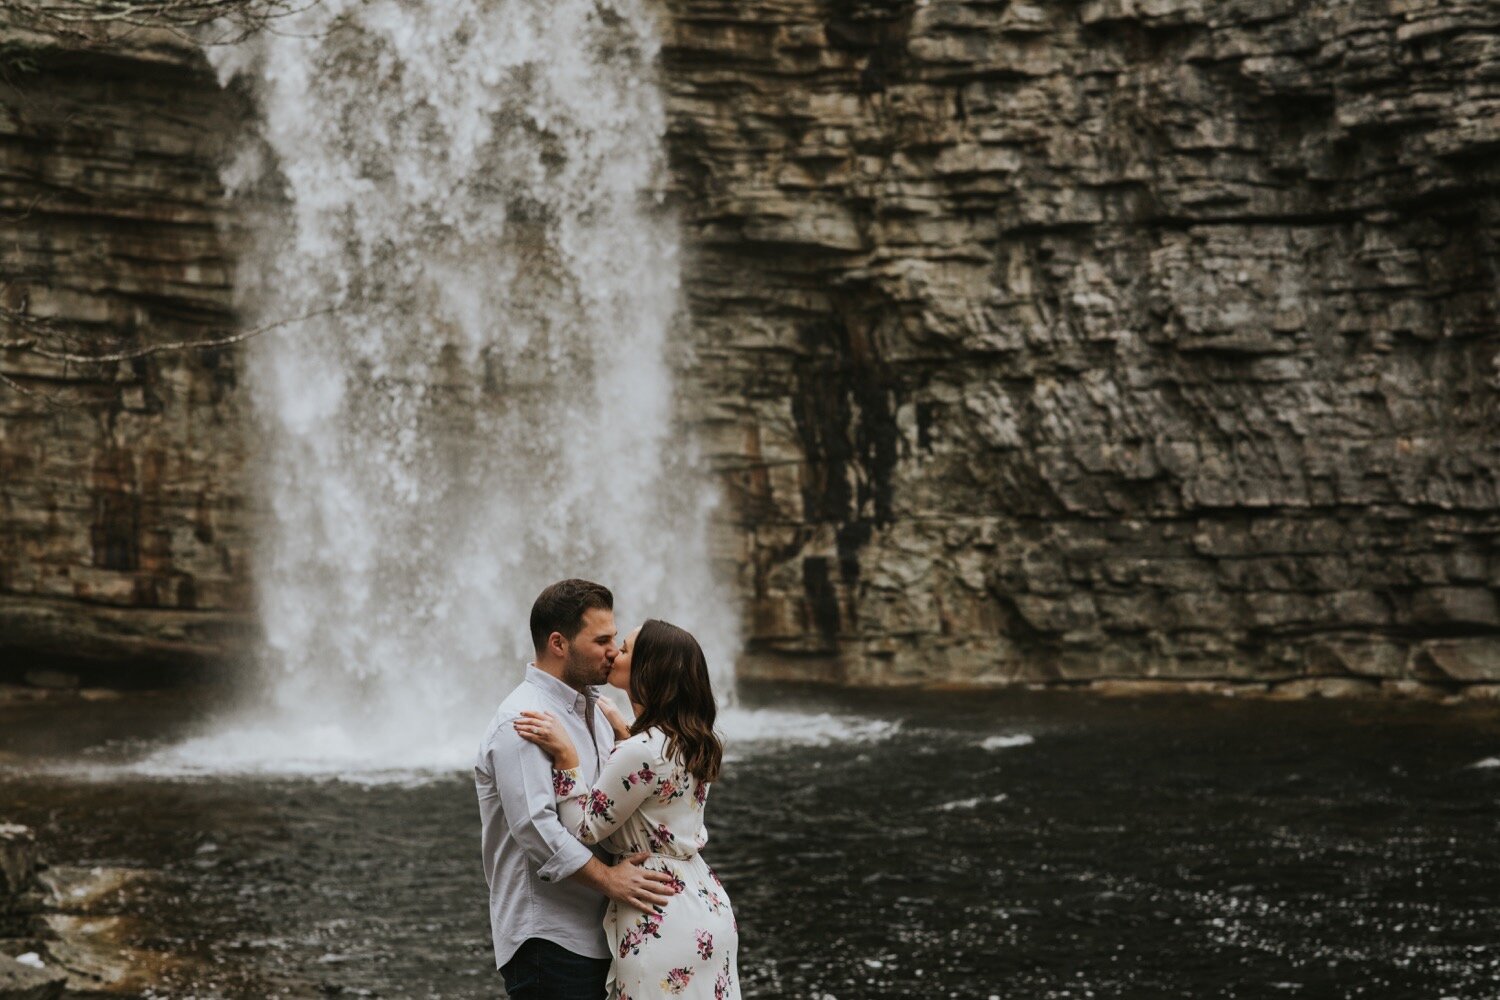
{"x":523,"y":779}
{"x":627,"y":883}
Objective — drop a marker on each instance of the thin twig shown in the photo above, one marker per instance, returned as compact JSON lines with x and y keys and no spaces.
{"x":32,"y":347}
{"x":26,"y":212}
{"x":45,"y":397}
{"x":234,"y":20}
{"x":160,"y":13}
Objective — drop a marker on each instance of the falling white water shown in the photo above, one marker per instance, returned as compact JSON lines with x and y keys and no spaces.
{"x":468,"y":189}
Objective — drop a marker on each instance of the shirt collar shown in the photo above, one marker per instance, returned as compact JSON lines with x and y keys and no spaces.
{"x":578,"y":701}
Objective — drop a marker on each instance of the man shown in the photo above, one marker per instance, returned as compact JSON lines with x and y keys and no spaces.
{"x":548,"y":890}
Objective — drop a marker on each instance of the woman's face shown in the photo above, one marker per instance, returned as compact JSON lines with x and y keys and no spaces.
{"x":619,"y":673}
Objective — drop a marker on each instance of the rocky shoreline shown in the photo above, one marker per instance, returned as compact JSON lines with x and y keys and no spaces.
{"x":24,"y":974}
{"x":66,"y":931}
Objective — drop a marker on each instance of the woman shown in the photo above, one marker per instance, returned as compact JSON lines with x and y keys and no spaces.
{"x":650,"y":797}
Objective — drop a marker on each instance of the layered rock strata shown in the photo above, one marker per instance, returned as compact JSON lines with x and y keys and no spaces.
{"x":1056,"y":343}
{"x":122,"y":529}
{"x":1121,"y":338}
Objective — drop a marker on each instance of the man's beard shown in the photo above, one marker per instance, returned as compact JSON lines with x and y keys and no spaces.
{"x":579,"y":672}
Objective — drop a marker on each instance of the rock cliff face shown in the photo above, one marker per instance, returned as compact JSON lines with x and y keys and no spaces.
{"x":1058,"y":342}
{"x":121,"y":517}
{"x":1124,"y":338}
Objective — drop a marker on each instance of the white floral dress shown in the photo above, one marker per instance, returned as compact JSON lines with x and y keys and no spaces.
{"x":644,"y":802}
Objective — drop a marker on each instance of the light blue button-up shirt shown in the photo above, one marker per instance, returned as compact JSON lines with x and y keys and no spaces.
{"x":528,"y":854}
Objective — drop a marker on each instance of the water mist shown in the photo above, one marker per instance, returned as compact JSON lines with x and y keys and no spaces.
{"x":462,"y":197}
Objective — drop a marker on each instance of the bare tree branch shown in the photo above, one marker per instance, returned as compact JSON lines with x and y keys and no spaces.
{"x":18,"y":387}
{"x":161,"y":13}
{"x":38,"y":330}
{"x":30,"y":344}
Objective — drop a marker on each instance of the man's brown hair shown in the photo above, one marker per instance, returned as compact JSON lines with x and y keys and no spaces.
{"x":561,"y":607}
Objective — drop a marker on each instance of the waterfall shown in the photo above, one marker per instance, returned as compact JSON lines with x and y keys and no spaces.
{"x":464,"y":196}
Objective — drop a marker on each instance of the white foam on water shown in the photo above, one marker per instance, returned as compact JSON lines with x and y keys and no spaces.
{"x":327,"y":751}
{"x":279,"y":748}
{"x":264,"y":746}
{"x":1006,"y":742}
{"x":1487,"y":762}
{"x":750,"y":730}
{"x":973,"y":803}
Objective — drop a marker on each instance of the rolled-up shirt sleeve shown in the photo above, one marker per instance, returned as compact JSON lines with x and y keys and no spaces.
{"x":523,"y":778}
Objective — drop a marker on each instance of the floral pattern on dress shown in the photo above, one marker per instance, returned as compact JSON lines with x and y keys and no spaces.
{"x":645,"y":774}
{"x":648,"y":925}
{"x":711,"y":899}
{"x":660,"y":839}
{"x":599,"y":805}
{"x":723,"y":980}
{"x":563,"y":782}
{"x":667,"y":790}
{"x":643,"y":799}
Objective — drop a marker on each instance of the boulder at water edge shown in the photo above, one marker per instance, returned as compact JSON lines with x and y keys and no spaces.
{"x":19,"y":981}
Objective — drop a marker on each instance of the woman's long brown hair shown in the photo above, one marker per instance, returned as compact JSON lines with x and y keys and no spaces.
{"x":669,"y":680}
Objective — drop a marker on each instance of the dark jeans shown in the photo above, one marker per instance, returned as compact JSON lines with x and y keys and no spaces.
{"x":541,"y":970}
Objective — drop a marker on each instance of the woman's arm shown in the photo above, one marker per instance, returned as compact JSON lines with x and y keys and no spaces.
{"x":628,"y":779}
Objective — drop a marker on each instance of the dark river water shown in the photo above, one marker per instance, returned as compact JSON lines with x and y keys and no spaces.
{"x":1015,"y":846}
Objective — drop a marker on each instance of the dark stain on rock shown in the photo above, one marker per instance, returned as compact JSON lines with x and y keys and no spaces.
{"x":1143,"y":41}
{"x":822,"y":599}
{"x":874,"y":31}
{"x":203,"y":521}
{"x":822,"y":414}
{"x":115,"y":534}
{"x":223,"y":375}
{"x":187,"y":592}
{"x":844,"y":410}
{"x":850,"y":539}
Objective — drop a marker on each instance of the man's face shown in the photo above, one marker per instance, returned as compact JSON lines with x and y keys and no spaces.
{"x":592,"y":651}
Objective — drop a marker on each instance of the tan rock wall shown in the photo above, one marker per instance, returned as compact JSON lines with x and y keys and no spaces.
{"x":1108,"y":339}
{"x":122,"y":529}
{"x":1131,"y":339}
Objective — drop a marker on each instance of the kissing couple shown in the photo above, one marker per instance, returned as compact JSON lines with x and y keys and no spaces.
{"x":591,"y":825}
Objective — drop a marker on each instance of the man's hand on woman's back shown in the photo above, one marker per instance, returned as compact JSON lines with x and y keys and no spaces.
{"x":628,"y":883}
